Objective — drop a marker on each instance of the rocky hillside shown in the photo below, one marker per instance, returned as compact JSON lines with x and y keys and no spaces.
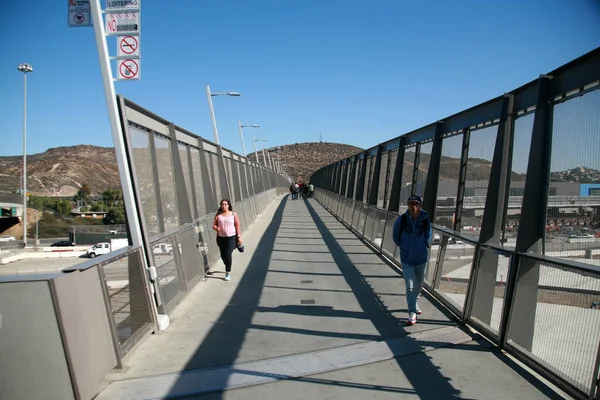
{"x":61,"y":171}
{"x":300,"y":160}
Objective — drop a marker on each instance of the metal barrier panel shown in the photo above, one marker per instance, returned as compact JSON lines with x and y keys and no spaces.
{"x":198,"y":182}
{"x":362,"y":217}
{"x":370,"y":223}
{"x":128,"y":297}
{"x":478,"y":175}
{"x":356,"y":215}
{"x":423,"y":168}
{"x":454,"y":265}
{"x":389,"y":247}
{"x":187,"y":175}
{"x":188,"y":242}
{"x":523,"y":128}
{"x":447,"y":189}
{"x":142,"y":161}
{"x":573,"y":207}
{"x":171,"y":282}
{"x":166,"y":183}
{"x":566,"y":321}
{"x":379,"y":227}
{"x":407,"y":175}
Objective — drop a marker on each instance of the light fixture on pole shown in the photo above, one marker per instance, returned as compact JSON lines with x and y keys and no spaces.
{"x":263,"y":150}
{"x":209,"y":97}
{"x":240,"y":126}
{"x":25,"y":68}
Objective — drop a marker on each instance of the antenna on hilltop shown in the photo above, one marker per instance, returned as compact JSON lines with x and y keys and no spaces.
{"x":320,"y":137}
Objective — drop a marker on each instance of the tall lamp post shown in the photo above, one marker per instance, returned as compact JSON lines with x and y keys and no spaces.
{"x":25,"y":68}
{"x":209,"y":97}
{"x":240,"y":126}
{"x":263,"y":150}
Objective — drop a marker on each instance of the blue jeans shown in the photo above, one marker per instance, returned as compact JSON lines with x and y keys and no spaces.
{"x":413,"y":276}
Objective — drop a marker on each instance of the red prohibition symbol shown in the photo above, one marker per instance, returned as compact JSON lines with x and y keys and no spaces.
{"x":129,"y":45}
{"x":129,"y":69}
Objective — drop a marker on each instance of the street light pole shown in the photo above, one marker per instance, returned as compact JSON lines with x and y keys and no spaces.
{"x":211,"y":110}
{"x":255,"y":151}
{"x":25,"y":68}
{"x":240,"y":126}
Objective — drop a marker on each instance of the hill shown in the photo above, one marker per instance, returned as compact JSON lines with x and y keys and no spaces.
{"x":61,"y":171}
{"x":301,"y":160}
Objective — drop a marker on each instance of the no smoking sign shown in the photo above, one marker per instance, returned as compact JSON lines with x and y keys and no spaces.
{"x":128,"y":46}
{"x":128,"y":69}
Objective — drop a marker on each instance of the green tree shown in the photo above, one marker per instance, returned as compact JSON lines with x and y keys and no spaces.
{"x":83,"y":194}
{"x":111,"y":197}
{"x":115,"y":216}
{"x":97,"y":206}
{"x":63,"y":207}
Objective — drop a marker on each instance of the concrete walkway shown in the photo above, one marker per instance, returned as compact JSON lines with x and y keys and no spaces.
{"x":312,"y":313}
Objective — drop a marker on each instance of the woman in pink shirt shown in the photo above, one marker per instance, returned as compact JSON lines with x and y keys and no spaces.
{"x":227,"y":226}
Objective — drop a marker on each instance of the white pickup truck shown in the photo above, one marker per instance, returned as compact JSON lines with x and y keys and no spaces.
{"x":106,"y":247}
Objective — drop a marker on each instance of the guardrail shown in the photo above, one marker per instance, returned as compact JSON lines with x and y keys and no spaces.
{"x":556,"y":328}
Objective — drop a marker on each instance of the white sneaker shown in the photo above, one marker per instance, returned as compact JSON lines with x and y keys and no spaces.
{"x":412,"y":319}
{"x":227,"y":276}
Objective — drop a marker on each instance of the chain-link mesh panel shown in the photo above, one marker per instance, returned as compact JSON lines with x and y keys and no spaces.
{"x":556,"y":320}
{"x":407,"y":175}
{"x":166,"y":183}
{"x":479,"y":168}
{"x":187,"y":176}
{"x":144,"y":172}
{"x":523,"y":128}
{"x":574,"y":197}
{"x":424,"y":159}
{"x":198,"y":182}
{"x":128,"y":296}
{"x":448,"y":185}
{"x":167,"y":260}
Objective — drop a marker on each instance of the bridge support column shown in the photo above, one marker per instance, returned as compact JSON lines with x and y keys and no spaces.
{"x":491,"y":226}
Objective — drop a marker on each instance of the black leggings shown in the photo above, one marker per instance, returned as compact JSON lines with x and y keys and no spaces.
{"x":227,"y":245}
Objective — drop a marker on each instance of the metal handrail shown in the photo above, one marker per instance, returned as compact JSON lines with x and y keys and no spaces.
{"x":565,"y":264}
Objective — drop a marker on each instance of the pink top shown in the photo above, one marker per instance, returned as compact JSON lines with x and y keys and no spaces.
{"x":227,"y":225}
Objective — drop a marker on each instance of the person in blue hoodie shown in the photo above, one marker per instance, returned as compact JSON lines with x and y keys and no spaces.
{"x":412,"y":234}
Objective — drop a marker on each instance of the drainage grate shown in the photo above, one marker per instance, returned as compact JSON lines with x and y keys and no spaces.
{"x":306,"y":281}
{"x":307,"y":302}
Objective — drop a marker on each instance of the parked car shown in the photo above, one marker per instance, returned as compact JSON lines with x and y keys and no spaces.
{"x":62,"y":243}
{"x":7,"y":238}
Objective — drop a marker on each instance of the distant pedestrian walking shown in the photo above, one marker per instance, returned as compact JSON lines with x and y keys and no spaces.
{"x":412,"y":234}
{"x":229,"y":234}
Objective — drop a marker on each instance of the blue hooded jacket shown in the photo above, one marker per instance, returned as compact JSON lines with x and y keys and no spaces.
{"x":413,"y":240}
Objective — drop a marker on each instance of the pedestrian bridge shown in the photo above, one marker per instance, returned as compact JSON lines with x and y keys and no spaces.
{"x":316,"y":306}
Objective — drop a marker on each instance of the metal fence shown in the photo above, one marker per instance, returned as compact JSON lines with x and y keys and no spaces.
{"x":512,"y":187}
{"x":178,"y":179}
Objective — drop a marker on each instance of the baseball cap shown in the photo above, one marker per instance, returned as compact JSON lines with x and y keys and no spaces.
{"x":415,"y":198}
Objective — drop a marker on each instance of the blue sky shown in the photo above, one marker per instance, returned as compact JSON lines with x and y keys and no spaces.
{"x":359,"y":72}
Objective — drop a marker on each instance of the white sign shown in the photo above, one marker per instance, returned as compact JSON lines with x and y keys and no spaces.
{"x":127,"y":23}
{"x":79,"y":13}
{"x":122,"y":5}
{"x":128,"y":46}
{"x":128,"y":69}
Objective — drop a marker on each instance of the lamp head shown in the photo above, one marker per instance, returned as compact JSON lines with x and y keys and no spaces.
{"x":25,"y":68}
{"x":234,"y":94}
